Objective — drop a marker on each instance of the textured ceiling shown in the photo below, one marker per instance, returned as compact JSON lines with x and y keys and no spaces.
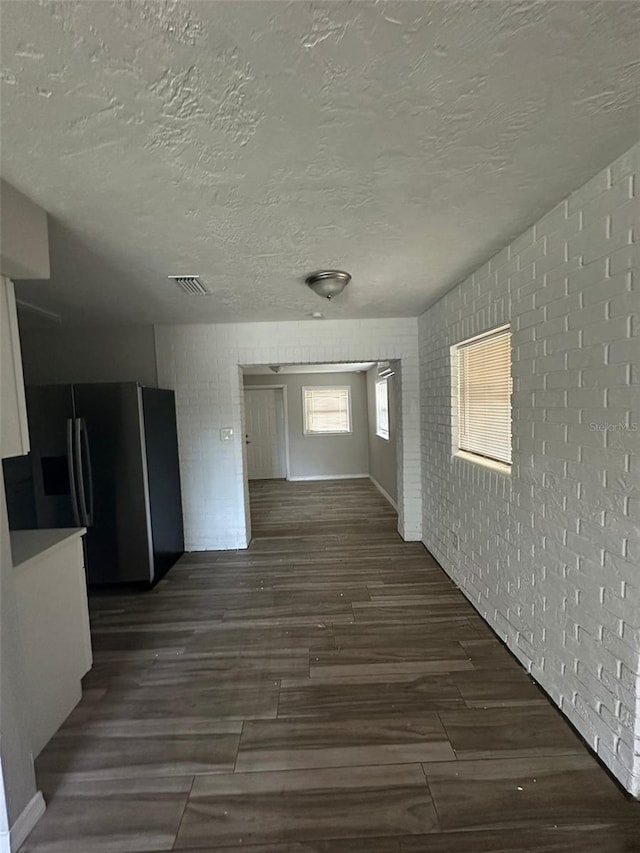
{"x":253,"y":142}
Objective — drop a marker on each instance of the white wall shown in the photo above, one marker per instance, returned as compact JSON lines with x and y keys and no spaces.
{"x":323,"y":455}
{"x":383,"y":466}
{"x":202,"y":364}
{"x":549,"y":554}
{"x":110,"y":354}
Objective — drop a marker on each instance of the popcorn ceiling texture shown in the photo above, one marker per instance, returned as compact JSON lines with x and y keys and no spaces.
{"x":549,"y":554}
{"x":202,"y":363}
{"x":253,"y":142}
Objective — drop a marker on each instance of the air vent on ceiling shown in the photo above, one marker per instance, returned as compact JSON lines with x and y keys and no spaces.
{"x":191,"y":284}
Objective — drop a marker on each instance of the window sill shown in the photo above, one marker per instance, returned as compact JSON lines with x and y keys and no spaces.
{"x":491,"y":464}
{"x":383,"y":437}
{"x":325,"y":434}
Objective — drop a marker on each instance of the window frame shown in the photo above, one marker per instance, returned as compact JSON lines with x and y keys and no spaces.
{"x":490,"y":461}
{"x":381,"y":432}
{"x":315,"y":433}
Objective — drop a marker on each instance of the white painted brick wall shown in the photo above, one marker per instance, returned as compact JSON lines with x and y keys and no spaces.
{"x":202,"y":363}
{"x":549,"y":554}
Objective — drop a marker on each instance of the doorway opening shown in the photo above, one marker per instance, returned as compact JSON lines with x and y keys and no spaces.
{"x":321,"y":422}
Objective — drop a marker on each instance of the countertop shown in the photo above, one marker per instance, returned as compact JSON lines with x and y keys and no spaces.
{"x":27,"y":545}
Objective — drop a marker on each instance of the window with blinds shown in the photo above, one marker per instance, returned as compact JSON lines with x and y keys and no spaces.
{"x":484,"y":396}
{"x":327,"y":411}
{"x":382,"y":408}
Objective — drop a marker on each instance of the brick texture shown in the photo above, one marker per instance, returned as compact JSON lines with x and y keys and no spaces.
{"x":549,"y":553}
{"x":202,"y":362}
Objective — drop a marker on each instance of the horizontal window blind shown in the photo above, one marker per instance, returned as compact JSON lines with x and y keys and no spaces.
{"x":484,"y":396}
{"x":326,"y":410}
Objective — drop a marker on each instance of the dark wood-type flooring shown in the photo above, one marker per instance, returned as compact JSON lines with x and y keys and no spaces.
{"x":327,"y":691}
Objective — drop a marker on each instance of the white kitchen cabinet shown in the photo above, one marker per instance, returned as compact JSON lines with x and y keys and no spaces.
{"x":53,"y":620}
{"x":14,"y":432}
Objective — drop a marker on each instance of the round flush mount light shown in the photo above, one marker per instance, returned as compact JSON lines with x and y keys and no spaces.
{"x":317,"y":315}
{"x":328,"y":283}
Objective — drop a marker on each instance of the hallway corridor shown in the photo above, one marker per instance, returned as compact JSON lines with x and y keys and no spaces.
{"x":328,"y":690}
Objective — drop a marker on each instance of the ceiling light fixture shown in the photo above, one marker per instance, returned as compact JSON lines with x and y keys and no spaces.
{"x":275,"y":368}
{"x":317,"y":315}
{"x":328,"y":283}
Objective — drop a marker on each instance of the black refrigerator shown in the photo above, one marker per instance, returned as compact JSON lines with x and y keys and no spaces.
{"x":105,"y":457}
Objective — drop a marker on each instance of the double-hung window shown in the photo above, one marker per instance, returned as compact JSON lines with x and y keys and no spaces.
{"x":326,"y":411}
{"x":482,"y":425}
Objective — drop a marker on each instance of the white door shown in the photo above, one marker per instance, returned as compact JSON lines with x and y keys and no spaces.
{"x":264,"y":421}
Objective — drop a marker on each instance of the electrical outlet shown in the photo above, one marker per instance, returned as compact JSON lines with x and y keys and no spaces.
{"x":226,"y":434}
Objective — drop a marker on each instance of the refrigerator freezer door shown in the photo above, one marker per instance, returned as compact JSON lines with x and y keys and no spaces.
{"x":49,"y":408}
{"x":118,"y":541}
{"x":165,"y":500}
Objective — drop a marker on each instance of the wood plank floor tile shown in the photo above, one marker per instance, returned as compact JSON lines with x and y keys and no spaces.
{"x":279,"y":745}
{"x":415,"y":667}
{"x":514,"y":792}
{"x":370,"y":678}
{"x":265,"y":639}
{"x":138,"y":754}
{"x":258,"y":700}
{"x":339,"y":699}
{"x":509,"y":732}
{"x":344,"y":659}
{"x":303,"y":595}
{"x":146,"y":643}
{"x":197,"y":671}
{"x":489,"y":654}
{"x":119,"y":816}
{"x":169,"y":725}
{"x":300,"y":805}
{"x":335,"y":845}
{"x":544,"y":839}
{"x":182,"y":618}
{"x":237,"y":619}
{"x":111,"y":673}
{"x":373,"y":611}
{"x":385,"y":634}
{"x":499,"y":688}
{"x":436,"y":584}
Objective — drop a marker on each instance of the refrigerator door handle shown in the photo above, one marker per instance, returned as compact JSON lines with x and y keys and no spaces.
{"x":86,"y":477}
{"x":72,"y":473}
{"x":87,"y":448}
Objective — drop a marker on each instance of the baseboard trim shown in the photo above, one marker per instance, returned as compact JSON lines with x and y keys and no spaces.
{"x":26,"y":821}
{"x":330,"y":477}
{"x":384,"y":492}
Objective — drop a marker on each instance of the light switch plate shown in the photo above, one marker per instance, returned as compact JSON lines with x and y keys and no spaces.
{"x":226,"y":434}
